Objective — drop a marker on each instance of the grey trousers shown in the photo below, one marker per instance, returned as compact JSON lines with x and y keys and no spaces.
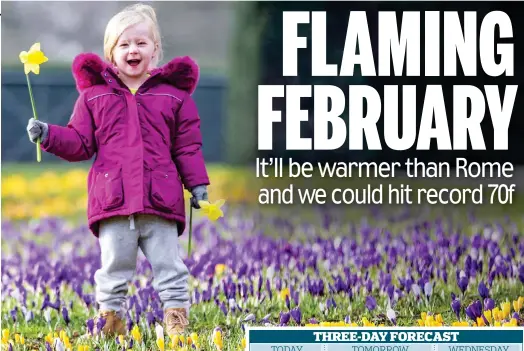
{"x":120,"y":238}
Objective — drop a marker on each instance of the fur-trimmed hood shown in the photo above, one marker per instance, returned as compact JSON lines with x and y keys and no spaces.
{"x":89,"y":68}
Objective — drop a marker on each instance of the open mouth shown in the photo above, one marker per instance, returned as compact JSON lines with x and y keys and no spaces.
{"x":133,"y":63}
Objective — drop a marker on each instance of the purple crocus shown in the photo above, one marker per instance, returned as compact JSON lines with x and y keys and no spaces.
{"x":473,"y":311}
{"x":284,"y":318}
{"x":455,"y":306}
{"x":14,"y":313}
{"x":65,"y":315}
{"x":483,"y":290}
{"x":90,"y":323}
{"x":330,"y":303}
{"x":150,"y":317}
{"x":296,"y":314}
{"x":371,"y":303}
{"x":129,"y":322}
{"x":100,"y":323}
{"x":223,"y":308}
{"x":463,"y":283}
{"x":489,"y":304}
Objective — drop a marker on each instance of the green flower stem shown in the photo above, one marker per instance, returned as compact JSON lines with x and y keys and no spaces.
{"x":38,"y":151}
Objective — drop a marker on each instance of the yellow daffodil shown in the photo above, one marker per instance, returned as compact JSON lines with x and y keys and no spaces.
{"x":212,"y":210}
{"x":33,"y":59}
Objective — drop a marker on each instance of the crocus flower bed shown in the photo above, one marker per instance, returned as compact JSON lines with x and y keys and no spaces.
{"x":282,"y":269}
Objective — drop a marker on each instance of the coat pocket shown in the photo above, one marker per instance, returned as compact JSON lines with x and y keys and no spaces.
{"x":110,"y":189}
{"x":165,"y":189}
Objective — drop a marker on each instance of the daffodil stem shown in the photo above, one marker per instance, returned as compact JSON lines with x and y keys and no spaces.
{"x":190,"y":229}
{"x":38,"y":151}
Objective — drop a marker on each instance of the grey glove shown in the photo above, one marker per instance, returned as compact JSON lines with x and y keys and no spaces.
{"x":37,"y":129}
{"x":199,"y":194}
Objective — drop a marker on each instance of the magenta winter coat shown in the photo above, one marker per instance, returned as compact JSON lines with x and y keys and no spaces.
{"x":147,"y":146}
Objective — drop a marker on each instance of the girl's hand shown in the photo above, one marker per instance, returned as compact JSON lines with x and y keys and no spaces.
{"x":199,"y":194}
{"x":37,"y":129}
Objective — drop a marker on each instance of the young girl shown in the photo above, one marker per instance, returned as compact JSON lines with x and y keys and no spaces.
{"x":144,"y":127}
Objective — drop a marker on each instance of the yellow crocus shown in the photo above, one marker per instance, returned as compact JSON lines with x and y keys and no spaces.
{"x":160,"y":344}
{"x":480,"y":322}
{"x":5,"y":335}
{"x":506,"y":309}
{"x":194,"y":338}
{"x":33,"y":59}
{"x":460,"y":324}
{"x":512,"y":323}
{"x":217,"y":339}
{"x":121,"y":339}
{"x":49,"y":338}
{"x":174,"y":341}
{"x":488,"y":316}
{"x":220,"y":268}
{"x":497,"y":314}
{"x":517,"y":304}
{"x":284,"y":293}
{"x":212,"y":210}
{"x":135,"y":332}
{"x":367,"y":323}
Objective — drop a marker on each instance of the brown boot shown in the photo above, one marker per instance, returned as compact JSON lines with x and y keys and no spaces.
{"x":113,"y":325}
{"x":176,"y":321}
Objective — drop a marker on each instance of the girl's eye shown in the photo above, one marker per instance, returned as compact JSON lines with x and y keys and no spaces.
{"x":123,"y":45}
{"x":141,"y":43}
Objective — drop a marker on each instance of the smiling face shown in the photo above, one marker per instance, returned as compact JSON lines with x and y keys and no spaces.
{"x":134,"y":52}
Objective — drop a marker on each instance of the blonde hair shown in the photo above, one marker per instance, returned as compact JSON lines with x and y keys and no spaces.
{"x":131,"y":16}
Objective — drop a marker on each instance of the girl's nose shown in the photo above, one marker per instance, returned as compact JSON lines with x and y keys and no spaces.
{"x":133,"y":48}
